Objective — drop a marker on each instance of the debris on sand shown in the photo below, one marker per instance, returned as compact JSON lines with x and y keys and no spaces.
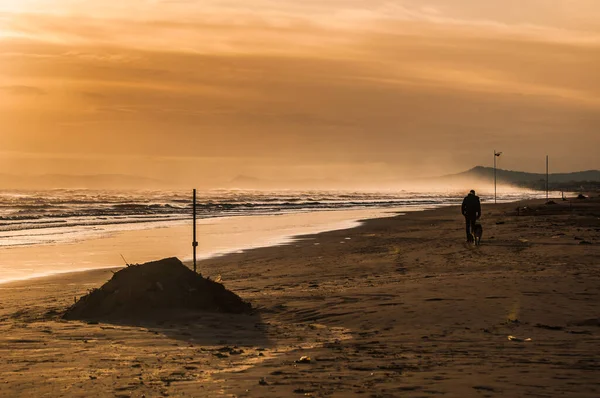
{"x":139,"y":291}
{"x":263,"y":382}
{"x":518,"y":340}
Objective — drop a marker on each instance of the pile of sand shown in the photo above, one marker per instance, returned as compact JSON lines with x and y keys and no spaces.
{"x":140,"y":291}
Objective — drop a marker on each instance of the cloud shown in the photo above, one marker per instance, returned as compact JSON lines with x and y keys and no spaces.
{"x":311,"y":81}
{"x":92,"y":95}
{"x":269,"y":27}
{"x":22,"y":90}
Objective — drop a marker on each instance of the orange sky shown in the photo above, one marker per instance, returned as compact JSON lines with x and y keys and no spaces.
{"x":346,"y":89}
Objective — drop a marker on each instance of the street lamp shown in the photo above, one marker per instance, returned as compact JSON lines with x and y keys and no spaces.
{"x":496,"y":154}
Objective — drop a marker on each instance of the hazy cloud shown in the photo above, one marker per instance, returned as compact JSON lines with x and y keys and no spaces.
{"x":22,"y":90}
{"x":303,"y":86}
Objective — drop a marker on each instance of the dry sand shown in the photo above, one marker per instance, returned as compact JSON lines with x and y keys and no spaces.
{"x":399,"y":307}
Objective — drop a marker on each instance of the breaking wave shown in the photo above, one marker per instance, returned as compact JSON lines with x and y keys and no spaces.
{"x":24,"y":213}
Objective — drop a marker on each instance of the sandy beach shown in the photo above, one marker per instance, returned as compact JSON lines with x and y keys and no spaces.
{"x":143,"y":243}
{"x":398,"y":307}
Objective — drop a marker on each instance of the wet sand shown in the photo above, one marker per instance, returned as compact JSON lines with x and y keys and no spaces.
{"x":217,"y":236}
{"x":399,"y":307}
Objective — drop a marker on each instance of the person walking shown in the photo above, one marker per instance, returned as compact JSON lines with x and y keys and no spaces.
{"x":471,"y":210}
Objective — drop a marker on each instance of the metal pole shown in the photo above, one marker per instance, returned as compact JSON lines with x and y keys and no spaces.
{"x":547,"y":181}
{"x":494,"y":176}
{"x":194,"y":242}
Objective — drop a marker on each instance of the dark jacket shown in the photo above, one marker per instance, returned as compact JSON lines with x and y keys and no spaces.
{"x":471,"y":206}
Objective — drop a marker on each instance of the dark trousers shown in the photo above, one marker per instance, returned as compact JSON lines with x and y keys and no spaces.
{"x":470,"y":224}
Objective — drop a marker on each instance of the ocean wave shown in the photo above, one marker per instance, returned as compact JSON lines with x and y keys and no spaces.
{"x":50,"y":213}
{"x":34,"y":210}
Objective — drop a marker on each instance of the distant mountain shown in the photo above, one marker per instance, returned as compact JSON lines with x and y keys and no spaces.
{"x":249,"y":182}
{"x":96,"y":181}
{"x":243,"y":181}
{"x":564,"y":181}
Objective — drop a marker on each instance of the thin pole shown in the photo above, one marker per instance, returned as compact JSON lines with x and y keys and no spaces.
{"x":494,"y":176}
{"x":194,"y":242}
{"x":547,"y":181}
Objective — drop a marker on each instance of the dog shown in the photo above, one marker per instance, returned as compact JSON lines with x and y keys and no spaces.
{"x":477,"y":234}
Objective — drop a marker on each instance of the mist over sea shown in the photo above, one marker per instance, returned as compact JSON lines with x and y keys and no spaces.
{"x":55,"y":216}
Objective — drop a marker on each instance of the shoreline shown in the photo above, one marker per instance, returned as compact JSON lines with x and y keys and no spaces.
{"x":53,"y":231}
{"x":226,"y":235}
{"x":119,"y":239}
{"x":398,"y":306}
{"x":283,"y":241}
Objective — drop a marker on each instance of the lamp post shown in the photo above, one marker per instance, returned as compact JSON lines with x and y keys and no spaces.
{"x":194,"y":242}
{"x":496,"y":154}
{"x":547,"y":181}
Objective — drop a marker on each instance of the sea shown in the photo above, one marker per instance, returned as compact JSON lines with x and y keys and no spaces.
{"x":38,"y":229}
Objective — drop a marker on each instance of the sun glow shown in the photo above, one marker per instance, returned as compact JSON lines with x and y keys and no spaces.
{"x":333,"y":88}
{"x":14,"y":5}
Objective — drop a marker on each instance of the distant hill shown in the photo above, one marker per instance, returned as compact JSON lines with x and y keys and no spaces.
{"x":243,"y":181}
{"x":589,"y":179}
{"x":96,"y":181}
{"x":249,"y":182}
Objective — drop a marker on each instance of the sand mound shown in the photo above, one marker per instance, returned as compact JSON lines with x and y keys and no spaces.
{"x":140,"y":291}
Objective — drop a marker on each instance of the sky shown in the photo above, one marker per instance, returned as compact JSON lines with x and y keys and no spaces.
{"x":198,"y":92}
